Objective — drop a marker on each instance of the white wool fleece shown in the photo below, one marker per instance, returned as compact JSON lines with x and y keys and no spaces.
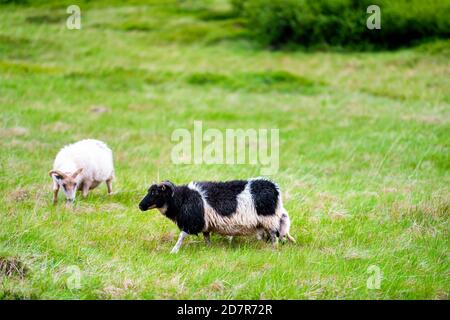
{"x":93,"y":156}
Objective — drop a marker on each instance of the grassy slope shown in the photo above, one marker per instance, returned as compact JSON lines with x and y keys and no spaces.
{"x":364,"y":157}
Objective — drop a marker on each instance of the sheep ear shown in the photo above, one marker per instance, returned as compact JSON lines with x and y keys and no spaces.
{"x":168,"y":185}
{"x":58,"y":174}
{"x":74,"y":175}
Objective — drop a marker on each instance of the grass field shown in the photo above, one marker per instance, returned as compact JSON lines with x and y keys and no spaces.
{"x":364,"y":157}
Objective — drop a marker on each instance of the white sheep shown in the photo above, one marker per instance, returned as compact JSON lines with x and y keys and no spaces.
{"x":82,"y":166}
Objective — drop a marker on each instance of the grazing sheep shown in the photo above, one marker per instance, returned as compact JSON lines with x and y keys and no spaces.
{"x":240,"y":207}
{"x":82,"y":166}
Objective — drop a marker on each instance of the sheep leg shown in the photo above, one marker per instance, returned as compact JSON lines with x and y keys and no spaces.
{"x":86,"y":187}
{"x":261,"y":234}
{"x":273,"y":237}
{"x":207,"y":238}
{"x":55,"y":192}
{"x":179,"y":242}
{"x":109,"y":186}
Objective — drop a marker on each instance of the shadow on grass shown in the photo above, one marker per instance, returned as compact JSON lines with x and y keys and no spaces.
{"x":264,"y":81}
{"x":256,"y":81}
{"x":56,"y":17}
{"x":17,"y":47}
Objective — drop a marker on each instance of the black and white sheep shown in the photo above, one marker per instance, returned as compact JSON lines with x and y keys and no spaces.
{"x":232,"y":208}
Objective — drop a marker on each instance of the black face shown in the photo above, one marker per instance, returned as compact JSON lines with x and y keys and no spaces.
{"x":157,"y":197}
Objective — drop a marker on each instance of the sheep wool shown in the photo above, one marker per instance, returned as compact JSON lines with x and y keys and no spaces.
{"x":82,"y":166}
{"x":231,"y":208}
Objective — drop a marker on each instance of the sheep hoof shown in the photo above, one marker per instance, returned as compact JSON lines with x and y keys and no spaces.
{"x":69,"y":205}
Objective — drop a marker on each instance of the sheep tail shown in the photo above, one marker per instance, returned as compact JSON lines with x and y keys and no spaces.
{"x":285,"y":225}
{"x":291,"y":238}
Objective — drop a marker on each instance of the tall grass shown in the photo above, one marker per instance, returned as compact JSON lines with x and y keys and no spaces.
{"x":343,"y":22}
{"x":364,"y":157}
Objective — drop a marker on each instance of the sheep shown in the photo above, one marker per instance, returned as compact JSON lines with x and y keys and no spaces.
{"x":82,"y":166}
{"x":232,"y":208}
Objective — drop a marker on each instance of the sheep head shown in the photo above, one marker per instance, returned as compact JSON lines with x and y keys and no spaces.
{"x":158,"y":195}
{"x":67,"y":181}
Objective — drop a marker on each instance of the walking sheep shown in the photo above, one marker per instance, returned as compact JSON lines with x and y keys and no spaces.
{"x":240,"y":207}
{"x":82,"y":166}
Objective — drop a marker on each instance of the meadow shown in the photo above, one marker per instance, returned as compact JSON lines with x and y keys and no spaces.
{"x":364,"y":157}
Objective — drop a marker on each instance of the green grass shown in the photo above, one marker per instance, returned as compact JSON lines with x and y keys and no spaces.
{"x":364,"y":156}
